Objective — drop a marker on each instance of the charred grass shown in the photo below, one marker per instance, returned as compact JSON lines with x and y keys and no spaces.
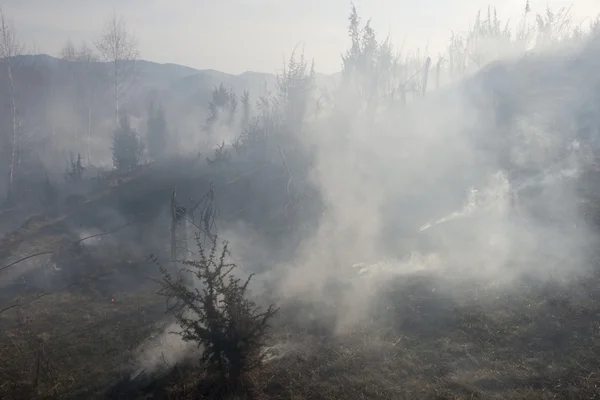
{"x":66,"y":345}
{"x":538,"y":341}
{"x":535,"y":341}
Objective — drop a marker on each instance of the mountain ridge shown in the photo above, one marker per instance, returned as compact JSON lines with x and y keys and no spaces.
{"x":175,"y":82}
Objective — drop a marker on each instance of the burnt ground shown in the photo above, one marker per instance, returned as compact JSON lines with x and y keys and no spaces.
{"x":534,"y":341}
{"x":537,"y":341}
{"x":63,"y":337}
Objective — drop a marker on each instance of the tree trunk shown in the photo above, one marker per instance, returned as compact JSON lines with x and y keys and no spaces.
{"x":116,"y":88}
{"x":403,"y":95}
{"x":89,"y":130}
{"x":426,"y":76}
{"x":14,"y":137}
{"x":173,"y":227}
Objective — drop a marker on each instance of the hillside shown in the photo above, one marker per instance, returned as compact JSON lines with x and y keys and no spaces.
{"x":409,"y":238}
{"x":176,"y":82}
{"x":70,"y":107}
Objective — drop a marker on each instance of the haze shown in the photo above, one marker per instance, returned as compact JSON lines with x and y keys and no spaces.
{"x":258,"y":35}
{"x":410,"y":192}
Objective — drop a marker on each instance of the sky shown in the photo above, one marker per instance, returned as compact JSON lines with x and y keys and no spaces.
{"x":258,"y":35}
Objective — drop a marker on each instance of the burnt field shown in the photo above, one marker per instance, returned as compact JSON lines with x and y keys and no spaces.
{"x":76,"y":322}
{"x":412,"y":227}
{"x":535,"y":340}
{"x":81,"y":317}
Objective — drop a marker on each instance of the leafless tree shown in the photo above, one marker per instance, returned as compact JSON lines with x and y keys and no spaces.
{"x":68,"y":52}
{"x":10,"y":47}
{"x":85,"y":76}
{"x":89,"y":64}
{"x":118,"y":47}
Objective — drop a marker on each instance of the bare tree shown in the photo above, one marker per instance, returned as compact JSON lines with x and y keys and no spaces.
{"x":85,"y":75}
{"x":86,"y":54}
{"x":89,"y":64}
{"x":118,"y":47}
{"x":68,"y":52}
{"x":10,"y":47}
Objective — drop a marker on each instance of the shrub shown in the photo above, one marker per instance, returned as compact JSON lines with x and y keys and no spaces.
{"x":218,"y":316}
{"x":222,"y":155}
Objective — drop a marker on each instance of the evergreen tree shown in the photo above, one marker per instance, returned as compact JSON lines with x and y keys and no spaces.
{"x":222,"y":108}
{"x":369,"y":66}
{"x":50,"y":194}
{"x":75,"y":171}
{"x":157,"y":132}
{"x":294,"y":90}
{"x":232,"y":108}
{"x":245,"y":110}
{"x":127,"y":148}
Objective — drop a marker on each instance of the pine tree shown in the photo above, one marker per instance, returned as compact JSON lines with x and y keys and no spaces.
{"x":222,"y":108}
{"x":245,"y":110}
{"x":127,"y":148}
{"x":157,"y":132}
{"x":76,"y":168}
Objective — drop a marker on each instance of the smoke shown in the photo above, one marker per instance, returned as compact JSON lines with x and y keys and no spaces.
{"x":478,"y":182}
{"x":162,"y":352}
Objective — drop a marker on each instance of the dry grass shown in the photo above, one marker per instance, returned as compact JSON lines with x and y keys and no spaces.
{"x":535,"y":341}
{"x":70,"y":346}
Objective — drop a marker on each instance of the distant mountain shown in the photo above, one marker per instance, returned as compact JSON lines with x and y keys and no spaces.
{"x":71,"y":104}
{"x":177,"y":82}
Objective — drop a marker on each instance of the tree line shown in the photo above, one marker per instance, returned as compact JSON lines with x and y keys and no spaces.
{"x":379,"y":73}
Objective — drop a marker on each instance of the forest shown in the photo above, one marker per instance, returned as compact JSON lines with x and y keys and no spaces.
{"x":416,"y":226}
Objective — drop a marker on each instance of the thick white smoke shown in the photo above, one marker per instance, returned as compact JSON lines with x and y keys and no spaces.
{"x":478,"y":181}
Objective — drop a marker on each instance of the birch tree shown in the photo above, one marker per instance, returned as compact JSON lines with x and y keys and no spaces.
{"x":85,"y":75}
{"x":10,"y":47}
{"x":118,"y":47}
{"x":89,"y":66}
{"x":68,"y":52}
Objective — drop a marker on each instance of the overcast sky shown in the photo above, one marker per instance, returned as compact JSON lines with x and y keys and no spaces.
{"x":238,"y":35}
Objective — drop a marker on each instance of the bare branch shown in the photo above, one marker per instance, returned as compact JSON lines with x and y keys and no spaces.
{"x":118,"y":47}
{"x":25,"y":258}
{"x":10,"y":46}
{"x":9,"y":49}
{"x":68,"y":52}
